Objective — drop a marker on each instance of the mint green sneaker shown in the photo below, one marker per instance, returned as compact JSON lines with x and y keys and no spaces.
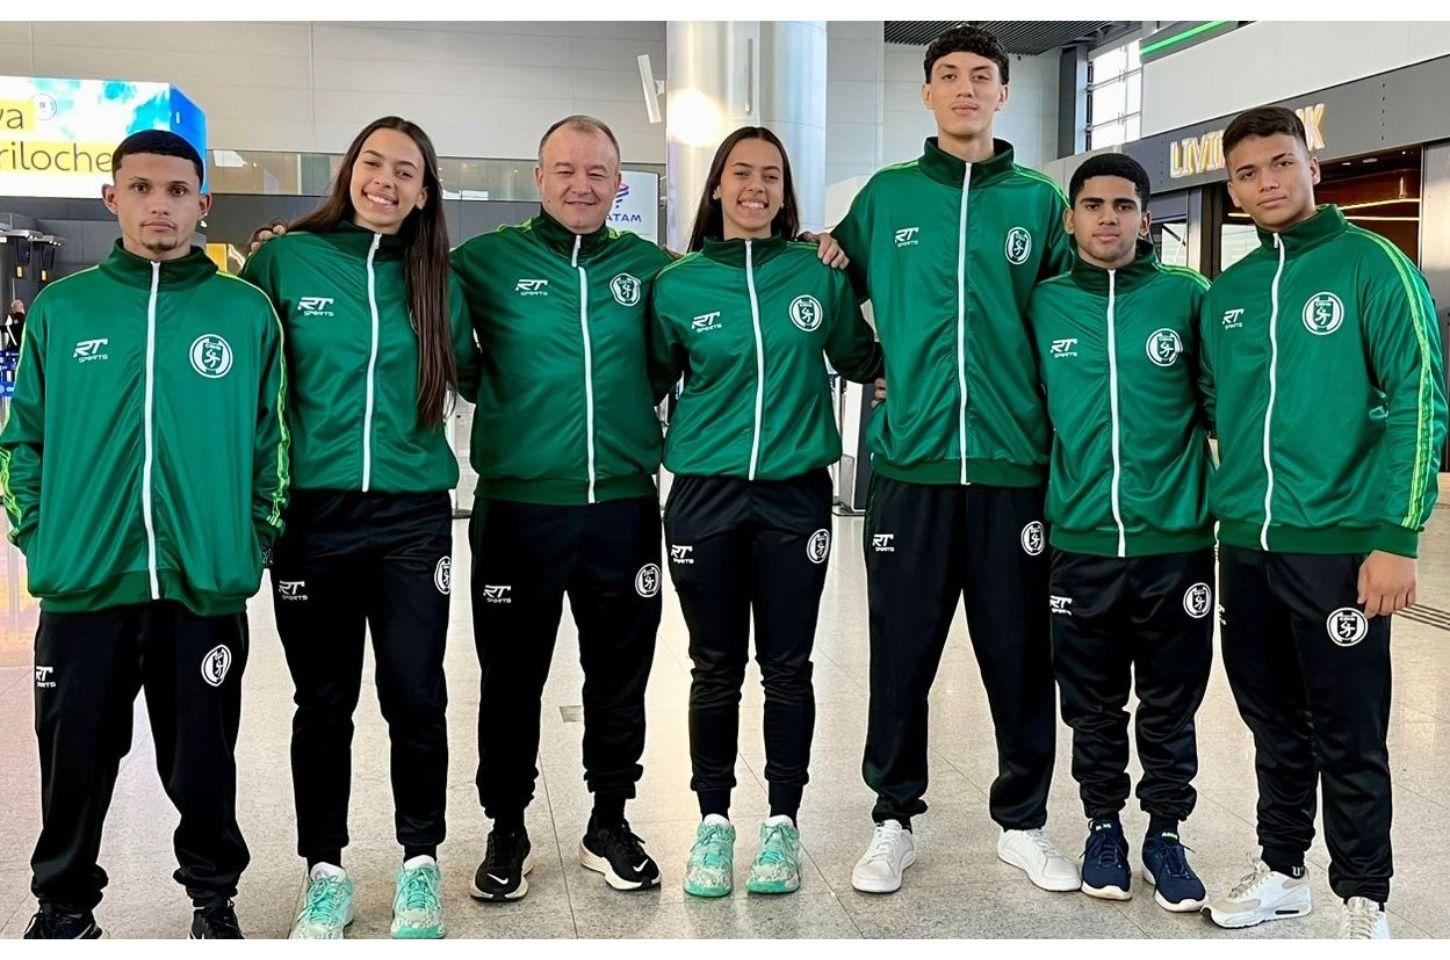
{"x":777,"y":867}
{"x":710,"y":871}
{"x":417,"y":907}
{"x":326,"y":906}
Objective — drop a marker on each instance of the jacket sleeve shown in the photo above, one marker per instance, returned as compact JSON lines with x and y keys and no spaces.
{"x":271,"y":476}
{"x":1403,"y":343}
{"x":1203,"y":355}
{"x":853,"y":233}
{"x":667,"y":355}
{"x":1058,"y":251}
{"x":23,"y":438}
{"x":467,"y":358}
{"x":851,"y":346}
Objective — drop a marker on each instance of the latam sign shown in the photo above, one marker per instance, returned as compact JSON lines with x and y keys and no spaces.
{"x":637,"y":204}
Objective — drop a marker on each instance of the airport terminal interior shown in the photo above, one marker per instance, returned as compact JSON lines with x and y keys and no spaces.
{"x":485,"y":92}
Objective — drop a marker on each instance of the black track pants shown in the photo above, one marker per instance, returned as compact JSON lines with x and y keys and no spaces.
{"x":738,"y":547}
{"x":1119,"y":625}
{"x":926,"y":547}
{"x":526,"y":558}
{"x":348,"y":561}
{"x":88,"y":670}
{"x":1311,"y":676}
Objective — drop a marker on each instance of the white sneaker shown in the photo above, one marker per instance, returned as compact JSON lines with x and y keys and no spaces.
{"x":1261,"y":895}
{"x":1363,"y":920}
{"x":892,"y":850}
{"x":1031,"y":852}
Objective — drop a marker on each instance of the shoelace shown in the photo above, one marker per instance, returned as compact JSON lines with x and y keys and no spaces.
{"x":420,"y":889}
{"x":1175,"y":863}
{"x":222,"y":918}
{"x":712,"y":845}
{"x":1361,"y":922}
{"x":621,"y":842}
{"x":773,"y":847}
{"x":503,"y":848}
{"x":1249,"y":882}
{"x":883,"y":843}
{"x":323,"y":900}
{"x":1040,"y":841}
{"x":1104,"y":850}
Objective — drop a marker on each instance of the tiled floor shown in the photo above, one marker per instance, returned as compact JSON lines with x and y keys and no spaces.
{"x":957,"y":888}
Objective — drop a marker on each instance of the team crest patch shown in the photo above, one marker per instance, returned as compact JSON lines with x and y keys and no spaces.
{"x":818,"y":547}
{"x":1018,"y":245}
{"x":625,"y":289}
{"x":1323,"y":314}
{"x":1198,"y":600}
{"x":211,"y":356}
{"x":805,"y":312}
{"x":443,"y":575}
{"x":1164,"y":346}
{"x":1347,"y":626}
{"x":1033,"y":538}
{"x":647,"y":581}
{"x":216,"y":664}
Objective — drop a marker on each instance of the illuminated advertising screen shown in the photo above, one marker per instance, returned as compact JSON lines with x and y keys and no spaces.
{"x":56,"y":136}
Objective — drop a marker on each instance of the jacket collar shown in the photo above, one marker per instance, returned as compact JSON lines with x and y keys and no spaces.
{"x":560,"y":238}
{"x":1326,"y":224}
{"x":1143,"y":268}
{"x":945,"y":168}
{"x":732,"y":252}
{"x":351,"y":238}
{"x":136,"y":271}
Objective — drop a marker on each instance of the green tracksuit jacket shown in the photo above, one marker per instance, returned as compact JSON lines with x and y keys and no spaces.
{"x":145,"y":455}
{"x":565,"y":414}
{"x":1323,"y":374}
{"x":948,"y":252}
{"x":748,"y":322}
{"x":352,"y":362}
{"x":1130,"y":459}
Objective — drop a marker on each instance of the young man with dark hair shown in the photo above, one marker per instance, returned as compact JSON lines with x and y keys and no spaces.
{"x":1132,"y":558}
{"x":144,"y":464}
{"x":948,"y":248}
{"x":1322,"y":368}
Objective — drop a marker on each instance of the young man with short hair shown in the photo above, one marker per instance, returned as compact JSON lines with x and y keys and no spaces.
{"x":566,"y":444}
{"x":1132,"y":558}
{"x":948,"y":248}
{"x":144,"y":464}
{"x":1322,"y":370}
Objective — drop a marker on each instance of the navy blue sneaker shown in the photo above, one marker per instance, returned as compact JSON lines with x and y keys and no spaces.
{"x":1165,"y":866}
{"x":1105,"y":870}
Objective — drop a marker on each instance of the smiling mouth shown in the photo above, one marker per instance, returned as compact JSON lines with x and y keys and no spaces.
{"x":380,"y":201}
{"x":754,"y":206}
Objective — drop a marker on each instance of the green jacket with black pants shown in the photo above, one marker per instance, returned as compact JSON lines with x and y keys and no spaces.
{"x":369,"y":542}
{"x":750,"y":325}
{"x":566,"y":443}
{"x":948,"y":253}
{"x":1322,"y":371}
{"x":144,"y":465}
{"x":1132,"y":564}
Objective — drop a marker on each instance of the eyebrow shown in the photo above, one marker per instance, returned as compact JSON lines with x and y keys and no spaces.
{"x":750,"y":166}
{"x":374,"y":153}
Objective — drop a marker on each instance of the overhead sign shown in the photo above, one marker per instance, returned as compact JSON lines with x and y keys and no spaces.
{"x":637,"y":204}
{"x":56,"y":136}
{"x":1192,"y":156}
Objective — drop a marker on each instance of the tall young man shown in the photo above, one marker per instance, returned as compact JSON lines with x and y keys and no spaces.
{"x":948,"y":248}
{"x":1322,"y":370}
{"x":566,"y":445}
{"x":145,"y":467}
{"x":1132,"y":557}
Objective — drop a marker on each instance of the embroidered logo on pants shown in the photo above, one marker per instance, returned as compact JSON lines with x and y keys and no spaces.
{"x":216,"y":664}
{"x":1347,"y":626}
{"x":443,"y":575}
{"x":647,"y":581}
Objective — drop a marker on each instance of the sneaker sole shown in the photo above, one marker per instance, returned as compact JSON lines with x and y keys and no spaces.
{"x":884,"y":886}
{"x":1110,"y":892}
{"x":1054,"y":886}
{"x":1254,"y":919}
{"x":589,"y":861}
{"x":509,"y":897}
{"x":1182,"y":906}
{"x":708,"y":893}
{"x":418,"y":933}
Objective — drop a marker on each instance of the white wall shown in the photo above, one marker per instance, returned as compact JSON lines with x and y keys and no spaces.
{"x":1029,"y":121}
{"x":854,"y":99}
{"x":1275,"y":60}
{"x":479,"y":89}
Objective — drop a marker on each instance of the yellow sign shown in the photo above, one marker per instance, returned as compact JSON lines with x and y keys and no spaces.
{"x":1192,"y":156}
{"x":55,"y":156}
{"x":17,"y":116}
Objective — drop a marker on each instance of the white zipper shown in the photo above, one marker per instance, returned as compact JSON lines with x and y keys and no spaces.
{"x":962,"y":320}
{"x":1113,"y":407}
{"x":372,"y":367}
{"x":759,"y":358}
{"x":149,"y":431}
{"x":588,"y":362}
{"x":1273,"y":390}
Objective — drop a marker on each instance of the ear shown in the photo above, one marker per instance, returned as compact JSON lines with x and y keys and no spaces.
{"x":108,"y":196}
{"x":1232,"y":195}
{"x":1147,"y":225}
{"x":422,"y":198}
{"x":204,"y":202}
{"x":1314,"y":170}
{"x":1067,"y":220}
{"x":926,"y":95}
{"x":1003,"y":96}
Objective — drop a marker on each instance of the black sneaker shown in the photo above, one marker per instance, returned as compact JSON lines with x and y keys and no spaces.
{"x":618,"y":854}
{"x":54,"y":922}
{"x":502,"y":874}
{"x":215,"y":921}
